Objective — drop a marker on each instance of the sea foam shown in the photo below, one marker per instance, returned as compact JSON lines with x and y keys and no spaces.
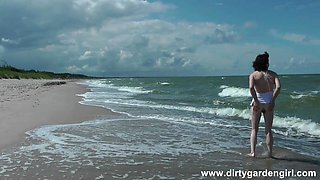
{"x":233,"y":92}
{"x":299,"y":95}
{"x":298,"y":126}
{"x":291,"y":124}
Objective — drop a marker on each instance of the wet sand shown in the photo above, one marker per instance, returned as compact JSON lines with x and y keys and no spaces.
{"x":29,"y":104}
{"x":121,"y":163}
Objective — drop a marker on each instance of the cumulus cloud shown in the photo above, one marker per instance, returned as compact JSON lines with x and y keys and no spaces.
{"x":34,"y":22}
{"x":128,"y":37}
{"x":108,"y":37}
{"x":148,"y":45}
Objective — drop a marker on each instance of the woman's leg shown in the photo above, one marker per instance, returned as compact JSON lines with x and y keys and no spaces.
{"x":255,"y":119}
{"x":268,"y":118}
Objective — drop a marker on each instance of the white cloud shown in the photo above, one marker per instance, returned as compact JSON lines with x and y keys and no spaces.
{"x":100,"y":10}
{"x":34,"y":23}
{"x":295,"y":37}
{"x":107,"y":36}
{"x":112,"y":37}
{"x":123,"y":55}
{"x":9,"y":41}
{"x":296,"y":62}
{"x":147,"y":45}
{"x":86,"y":55}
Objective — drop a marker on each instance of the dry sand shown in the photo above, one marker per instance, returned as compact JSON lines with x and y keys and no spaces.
{"x":28,"y":104}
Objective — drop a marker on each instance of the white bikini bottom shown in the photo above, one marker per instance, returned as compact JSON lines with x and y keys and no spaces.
{"x":264,"y":98}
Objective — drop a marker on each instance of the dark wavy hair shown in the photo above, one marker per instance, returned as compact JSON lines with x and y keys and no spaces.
{"x":261,"y":63}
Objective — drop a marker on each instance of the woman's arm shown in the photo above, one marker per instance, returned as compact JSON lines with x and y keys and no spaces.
{"x":252,"y":90}
{"x":277,"y":89}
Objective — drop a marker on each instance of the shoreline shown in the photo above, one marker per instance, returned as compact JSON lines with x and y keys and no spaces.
{"x":29,"y":104}
{"x":133,"y":147}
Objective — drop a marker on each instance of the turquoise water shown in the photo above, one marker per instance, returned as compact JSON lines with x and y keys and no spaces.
{"x":299,"y":96}
{"x":170,"y":128}
{"x":217,"y":102}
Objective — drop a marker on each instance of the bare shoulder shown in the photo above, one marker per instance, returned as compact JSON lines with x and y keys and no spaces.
{"x":251,"y":76}
{"x":254,"y":73}
{"x":272,"y":73}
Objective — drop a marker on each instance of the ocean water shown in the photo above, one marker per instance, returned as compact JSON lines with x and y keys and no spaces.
{"x":168,"y":128}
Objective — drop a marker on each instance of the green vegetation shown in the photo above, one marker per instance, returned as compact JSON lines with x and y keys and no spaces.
{"x":9,"y":72}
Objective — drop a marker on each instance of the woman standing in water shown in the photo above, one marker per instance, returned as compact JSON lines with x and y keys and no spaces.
{"x":264,"y":87}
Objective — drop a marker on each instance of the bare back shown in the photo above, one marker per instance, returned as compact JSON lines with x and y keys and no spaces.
{"x":263,"y":81}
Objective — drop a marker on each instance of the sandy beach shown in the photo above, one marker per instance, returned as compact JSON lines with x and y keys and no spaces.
{"x":118,"y":145}
{"x":29,"y":104}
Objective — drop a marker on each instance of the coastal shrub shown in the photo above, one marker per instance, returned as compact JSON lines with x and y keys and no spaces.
{"x":10,"y":72}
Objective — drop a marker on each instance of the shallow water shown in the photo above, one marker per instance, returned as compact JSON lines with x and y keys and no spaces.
{"x":170,"y":128}
{"x":135,"y":148}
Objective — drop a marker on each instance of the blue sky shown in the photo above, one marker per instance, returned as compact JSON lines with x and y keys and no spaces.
{"x":160,"y":38}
